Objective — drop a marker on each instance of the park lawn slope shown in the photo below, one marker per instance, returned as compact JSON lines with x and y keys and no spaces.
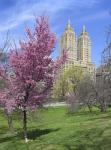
{"x":55,"y":129}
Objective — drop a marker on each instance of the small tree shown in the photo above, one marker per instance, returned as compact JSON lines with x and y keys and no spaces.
{"x":66,"y":82}
{"x":86,"y":92}
{"x":7,"y":99}
{"x":6,"y":105}
{"x":32,"y":69}
{"x":102,"y":91}
{"x":60,"y":87}
{"x":103,"y":79}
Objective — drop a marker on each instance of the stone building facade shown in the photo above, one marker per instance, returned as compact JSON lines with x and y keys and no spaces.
{"x":78,"y":49}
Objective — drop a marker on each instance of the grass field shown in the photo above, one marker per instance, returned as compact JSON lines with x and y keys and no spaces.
{"x":54,"y":129}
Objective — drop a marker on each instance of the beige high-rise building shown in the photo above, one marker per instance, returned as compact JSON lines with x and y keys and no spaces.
{"x":69,"y":42}
{"x":78,"y":50}
{"x":84,"y":47}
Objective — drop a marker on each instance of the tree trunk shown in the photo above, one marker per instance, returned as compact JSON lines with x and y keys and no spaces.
{"x":9,"y":120}
{"x":103,"y":107}
{"x":89,"y":107}
{"x":25,"y":125}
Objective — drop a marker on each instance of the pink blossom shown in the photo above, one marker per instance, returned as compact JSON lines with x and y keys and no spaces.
{"x":32,"y":68}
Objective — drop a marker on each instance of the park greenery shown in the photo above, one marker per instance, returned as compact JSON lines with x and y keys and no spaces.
{"x":55,"y":129}
{"x":66,"y":82}
{"x":29,"y":78}
{"x":29,"y":72}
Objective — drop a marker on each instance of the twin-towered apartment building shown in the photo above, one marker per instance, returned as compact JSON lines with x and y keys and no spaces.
{"x":78,"y":49}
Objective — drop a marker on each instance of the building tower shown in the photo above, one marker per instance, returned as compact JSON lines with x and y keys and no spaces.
{"x":84,"y":47}
{"x":78,"y":51}
{"x":68,"y":42}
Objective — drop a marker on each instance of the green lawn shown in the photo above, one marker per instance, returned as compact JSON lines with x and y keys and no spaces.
{"x":54,"y":129}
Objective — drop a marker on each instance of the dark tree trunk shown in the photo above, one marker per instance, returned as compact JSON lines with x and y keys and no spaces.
{"x":25,"y":125}
{"x":89,"y":107}
{"x":25,"y":114}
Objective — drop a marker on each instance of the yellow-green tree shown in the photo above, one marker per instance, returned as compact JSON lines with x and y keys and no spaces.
{"x":67,"y":82}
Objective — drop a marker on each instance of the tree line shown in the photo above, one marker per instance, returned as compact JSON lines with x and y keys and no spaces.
{"x":79,"y":89}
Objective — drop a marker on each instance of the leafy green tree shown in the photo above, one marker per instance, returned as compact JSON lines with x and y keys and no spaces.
{"x":66,"y":82}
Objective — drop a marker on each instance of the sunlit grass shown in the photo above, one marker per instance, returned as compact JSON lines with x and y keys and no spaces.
{"x":54,"y":129}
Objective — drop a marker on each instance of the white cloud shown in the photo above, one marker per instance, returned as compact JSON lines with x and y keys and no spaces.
{"x":15,"y":21}
{"x":97,"y":16}
{"x":26,"y":11}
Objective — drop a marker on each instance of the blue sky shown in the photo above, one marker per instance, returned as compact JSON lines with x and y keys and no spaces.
{"x":15,"y":15}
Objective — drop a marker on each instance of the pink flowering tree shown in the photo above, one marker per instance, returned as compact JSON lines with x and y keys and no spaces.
{"x":7,"y":102}
{"x":7,"y":99}
{"x":32,"y":71}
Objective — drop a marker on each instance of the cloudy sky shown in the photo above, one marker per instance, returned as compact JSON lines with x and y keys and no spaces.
{"x":15,"y":15}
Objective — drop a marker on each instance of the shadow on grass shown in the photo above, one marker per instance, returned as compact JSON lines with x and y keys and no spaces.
{"x":33,"y":134}
{"x":84,"y":113}
{"x":95,"y":115}
{"x":3,"y":130}
{"x":38,"y":132}
{"x":93,"y":139}
{"x":68,"y":147}
{"x":99,"y":118}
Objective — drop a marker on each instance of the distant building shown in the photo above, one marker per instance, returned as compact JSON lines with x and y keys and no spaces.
{"x":78,"y":50}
